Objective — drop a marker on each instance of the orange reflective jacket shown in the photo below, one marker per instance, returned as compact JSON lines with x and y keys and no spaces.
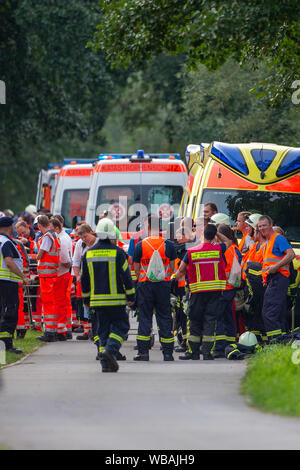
{"x":149,"y":245}
{"x":270,"y":259}
{"x":230,"y":254}
{"x":48,"y":264}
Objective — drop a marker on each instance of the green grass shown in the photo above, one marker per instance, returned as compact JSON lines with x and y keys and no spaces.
{"x":272,"y":380}
{"x":29,"y":344}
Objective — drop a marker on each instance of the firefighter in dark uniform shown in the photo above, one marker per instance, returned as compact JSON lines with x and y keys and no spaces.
{"x":107,"y":287}
{"x":205,"y":267}
{"x":154,"y":295}
{"x":11,"y":274}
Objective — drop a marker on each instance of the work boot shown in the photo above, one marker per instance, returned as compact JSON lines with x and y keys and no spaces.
{"x":61,"y":337}
{"x":47,"y":337}
{"x":192,"y":356}
{"x":120,"y":357}
{"x":219,"y":355}
{"x":141,"y":357}
{"x":168,"y":357}
{"x":69,"y":335}
{"x":208,"y":357}
{"x":110,"y":360}
{"x":180,"y":349}
{"x":83,"y":337}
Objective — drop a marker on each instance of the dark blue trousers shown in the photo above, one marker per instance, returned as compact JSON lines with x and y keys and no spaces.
{"x":155,"y":296}
{"x":113,"y":326}
{"x":274,"y":310}
{"x":225,"y":333}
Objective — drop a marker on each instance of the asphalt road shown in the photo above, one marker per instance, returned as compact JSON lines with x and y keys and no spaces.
{"x":58,"y":398}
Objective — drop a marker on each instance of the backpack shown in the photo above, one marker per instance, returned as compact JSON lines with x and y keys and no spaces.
{"x":156,"y":270}
{"x":235,"y":274}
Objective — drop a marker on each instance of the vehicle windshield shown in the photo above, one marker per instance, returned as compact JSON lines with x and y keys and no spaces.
{"x":74,"y":203}
{"x":283,"y":208}
{"x":131,"y":204}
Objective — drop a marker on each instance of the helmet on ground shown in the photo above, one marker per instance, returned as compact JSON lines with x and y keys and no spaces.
{"x":106,"y":229}
{"x":253,"y":220}
{"x":220,"y":218}
{"x":248,"y":339}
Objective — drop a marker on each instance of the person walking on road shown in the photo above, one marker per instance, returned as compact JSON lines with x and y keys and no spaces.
{"x":107,"y":287}
{"x":11,"y":274}
{"x":154,"y":294}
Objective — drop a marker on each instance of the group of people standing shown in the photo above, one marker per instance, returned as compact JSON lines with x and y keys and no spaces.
{"x":203,"y":264}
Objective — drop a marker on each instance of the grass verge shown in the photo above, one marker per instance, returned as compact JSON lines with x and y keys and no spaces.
{"x":272,"y":380}
{"x":28,"y":345}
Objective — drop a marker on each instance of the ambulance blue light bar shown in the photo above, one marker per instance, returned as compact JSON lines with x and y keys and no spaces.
{"x":69,"y":161}
{"x":139,"y":155}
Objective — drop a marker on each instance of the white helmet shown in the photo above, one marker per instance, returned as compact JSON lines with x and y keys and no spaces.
{"x":31,"y":209}
{"x":248,"y":339}
{"x":106,"y":229}
{"x":220,"y":218}
{"x":253,"y":220}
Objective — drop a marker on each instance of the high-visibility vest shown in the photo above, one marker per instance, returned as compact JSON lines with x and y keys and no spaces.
{"x":206,"y":268}
{"x":181,"y":280}
{"x":229,"y":254}
{"x":150,"y":244}
{"x":5,"y":273}
{"x":270,"y":259}
{"x":48,"y":264}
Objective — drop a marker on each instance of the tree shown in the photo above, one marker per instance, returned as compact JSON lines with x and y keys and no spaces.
{"x":208,"y":32}
{"x":56,"y":86}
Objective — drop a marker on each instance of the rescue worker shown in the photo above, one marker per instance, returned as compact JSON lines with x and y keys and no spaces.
{"x":226,"y":328}
{"x":275,"y":271}
{"x":48,"y":263}
{"x":26,"y":235}
{"x":154,"y":295}
{"x":62,"y":281}
{"x":107,"y":287}
{"x":209,"y":210}
{"x":251,"y":273}
{"x":11,"y":274}
{"x":245,"y":242}
{"x":205,"y":268}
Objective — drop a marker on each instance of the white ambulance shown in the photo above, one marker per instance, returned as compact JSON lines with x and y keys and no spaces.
{"x":133,"y":185}
{"x":72,"y":191}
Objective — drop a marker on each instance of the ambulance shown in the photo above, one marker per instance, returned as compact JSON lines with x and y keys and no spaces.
{"x":72,"y":190}
{"x":46,"y":186}
{"x":130,"y":186}
{"x":263,"y":178}
{"x":259,"y":177}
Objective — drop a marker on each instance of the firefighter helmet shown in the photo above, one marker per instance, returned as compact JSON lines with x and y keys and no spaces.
{"x":220,"y":218}
{"x":248,"y":339}
{"x":253,"y":220}
{"x":106,"y":229}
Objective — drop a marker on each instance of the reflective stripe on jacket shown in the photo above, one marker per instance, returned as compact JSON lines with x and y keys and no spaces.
{"x":48,"y":264}
{"x":106,"y":279}
{"x":5,"y":273}
{"x":206,"y":268}
{"x":270,"y":259}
